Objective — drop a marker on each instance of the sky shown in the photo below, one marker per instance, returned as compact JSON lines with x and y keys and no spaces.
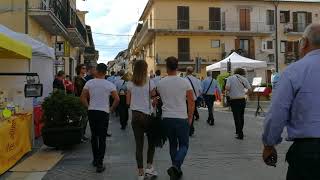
{"x":119,"y":17}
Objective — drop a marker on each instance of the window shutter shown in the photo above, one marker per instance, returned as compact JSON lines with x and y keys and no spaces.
{"x":270,"y":17}
{"x":289,"y":47}
{"x":183,"y":49}
{"x":215,"y":18}
{"x":237,"y":44}
{"x":295,"y":21}
{"x":287,"y":14}
{"x":309,"y":18}
{"x":252,"y":49}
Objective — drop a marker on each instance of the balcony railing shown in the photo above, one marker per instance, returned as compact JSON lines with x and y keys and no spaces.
{"x":295,"y":27}
{"x":291,"y":57}
{"x":213,"y":26}
{"x":189,"y":58}
{"x":58,"y":7}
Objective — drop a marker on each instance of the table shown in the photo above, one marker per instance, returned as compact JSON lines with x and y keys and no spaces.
{"x":15,"y":140}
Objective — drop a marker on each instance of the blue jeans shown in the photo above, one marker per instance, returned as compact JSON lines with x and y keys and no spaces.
{"x":177,"y":131}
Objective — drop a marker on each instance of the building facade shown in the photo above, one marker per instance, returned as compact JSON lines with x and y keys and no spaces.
{"x":202,"y":32}
{"x":57,"y":23}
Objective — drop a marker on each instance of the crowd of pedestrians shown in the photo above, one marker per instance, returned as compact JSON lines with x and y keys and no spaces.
{"x":177,"y":97}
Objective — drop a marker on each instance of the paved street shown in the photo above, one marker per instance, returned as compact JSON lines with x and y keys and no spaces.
{"x":213,"y":154}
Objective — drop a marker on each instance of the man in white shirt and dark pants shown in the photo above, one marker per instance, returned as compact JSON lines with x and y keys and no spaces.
{"x":177,"y":115}
{"x":196,"y":87}
{"x":95,"y":96}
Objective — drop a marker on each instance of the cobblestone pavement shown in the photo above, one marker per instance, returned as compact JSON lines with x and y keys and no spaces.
{"x":213,"y":154}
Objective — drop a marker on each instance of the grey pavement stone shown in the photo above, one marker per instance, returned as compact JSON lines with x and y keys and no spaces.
{"x":213,"y":154}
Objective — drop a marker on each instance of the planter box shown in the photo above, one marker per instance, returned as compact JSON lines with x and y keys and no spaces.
{"x":62,"y":137}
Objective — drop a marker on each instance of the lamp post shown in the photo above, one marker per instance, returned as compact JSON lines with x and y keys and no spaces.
{"x":276,"y":4}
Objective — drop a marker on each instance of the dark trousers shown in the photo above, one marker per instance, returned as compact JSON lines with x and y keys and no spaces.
{"x":238,"y":107}
{"x":303,"y":158}
{"x":177,"y":131}
{"x":192,"y":129}
{"x":209,"y":99}
{"x":140,"y":125}
{"x":99,"y":121}
{"x":123,"y":111}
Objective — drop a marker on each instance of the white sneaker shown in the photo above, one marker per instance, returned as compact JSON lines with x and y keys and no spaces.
{"x":141,"y":177}
{"x":151,"y":172}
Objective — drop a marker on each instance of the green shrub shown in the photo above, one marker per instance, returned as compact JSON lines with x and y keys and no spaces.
{"x":221,"y":79}
{"x":62,"y":110}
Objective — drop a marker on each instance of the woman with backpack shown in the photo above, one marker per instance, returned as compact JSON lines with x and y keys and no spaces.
{"x":139,"y":94}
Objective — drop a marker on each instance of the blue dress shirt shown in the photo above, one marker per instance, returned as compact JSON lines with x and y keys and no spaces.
{"x":205,"y":86}
{"x":296,"y":103}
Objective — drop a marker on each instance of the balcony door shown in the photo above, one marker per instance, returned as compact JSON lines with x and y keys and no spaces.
{"x":244,"y":19}
{"x":184,"y":49}
{"x":215,"y":18}
{"x":246,"y":46}
{"x":183,"y":17}
{"x":301,"y":20}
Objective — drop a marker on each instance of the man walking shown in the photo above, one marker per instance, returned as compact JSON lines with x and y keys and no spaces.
{"x":98,"y":91}
{"x":196,"y":87}
{"x":209,"y":86}
{"x":296,"y":105}
{"x":177,"y":114}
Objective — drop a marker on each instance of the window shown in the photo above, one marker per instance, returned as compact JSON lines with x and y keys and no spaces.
{"x":271,"y":58}
{"x":214,"y":18}
{"x":270,"y":17}
{"x":215,"y":43}
{"x":284,"y":16}
{"x":301,"y":20}
{"x":184,"y":49}
{"x":269,"y":45}
{"x":283,"y":46}
{"x":245,"y":23}
{"x":183,"y":17}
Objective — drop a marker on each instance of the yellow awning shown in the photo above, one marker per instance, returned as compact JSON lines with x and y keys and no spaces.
{"x":13,"y":49}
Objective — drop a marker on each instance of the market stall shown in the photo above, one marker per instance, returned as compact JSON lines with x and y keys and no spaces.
{"x":15,"y":109}
{"x":42,"y":63}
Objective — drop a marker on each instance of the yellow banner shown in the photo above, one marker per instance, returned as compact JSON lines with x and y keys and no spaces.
{"x":14,"y":140}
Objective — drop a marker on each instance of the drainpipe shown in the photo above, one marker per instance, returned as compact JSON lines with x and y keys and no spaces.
{"x":276,"y":4}
{"x":26,"y":20}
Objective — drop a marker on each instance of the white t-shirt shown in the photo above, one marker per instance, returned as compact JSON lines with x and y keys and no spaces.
{"x":140,"y":97}
{"x":99,"y":91}
{"x":173,"y":91}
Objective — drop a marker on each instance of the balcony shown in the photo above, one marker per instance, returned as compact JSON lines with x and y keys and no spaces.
{"x":144,"y":35}
{"x":213,"y":27}
{"x":295,"y":28}
{"x":77,"y":31}
{"x":207,"y":57}
{"x":291,"y":57}
{"x":52,"y":15}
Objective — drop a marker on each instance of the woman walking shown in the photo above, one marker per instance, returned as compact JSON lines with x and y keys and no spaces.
{"x":138,"y":97}
{"x":236,"y":87}
{"x":123,"y":107}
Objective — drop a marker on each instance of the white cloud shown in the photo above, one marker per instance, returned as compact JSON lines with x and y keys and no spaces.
{"x":112,"y":17}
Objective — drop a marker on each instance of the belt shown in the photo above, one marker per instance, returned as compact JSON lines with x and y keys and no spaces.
{"x":306,"y":140}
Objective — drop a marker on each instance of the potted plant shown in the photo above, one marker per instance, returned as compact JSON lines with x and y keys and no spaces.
{"x":64,"y":119}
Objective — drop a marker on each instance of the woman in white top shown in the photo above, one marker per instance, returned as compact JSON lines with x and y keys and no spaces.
{"x":236,"y":87}
{"x":138,"y":97}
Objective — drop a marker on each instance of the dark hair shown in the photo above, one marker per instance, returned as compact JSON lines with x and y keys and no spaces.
{"x":121,"y":72}
{"x":172,"y":63}
{"x":61,"y":73}
{"x":140,"y":73}
{"x":79,"y":67}
{"x":240,"y":71}
{"x":102,"y":68}
{"x":158,"y":72}
{"x":113,"y":73}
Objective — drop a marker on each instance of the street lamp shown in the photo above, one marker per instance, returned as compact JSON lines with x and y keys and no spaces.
{"x":276,"y":4}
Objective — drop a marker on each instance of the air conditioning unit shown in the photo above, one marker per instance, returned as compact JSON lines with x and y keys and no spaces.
{"x":200,"y":27}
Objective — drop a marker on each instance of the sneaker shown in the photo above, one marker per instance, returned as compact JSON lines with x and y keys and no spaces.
{"x":174,"y":173}
{"x":151,"y":172}
{"x":141,"y":177}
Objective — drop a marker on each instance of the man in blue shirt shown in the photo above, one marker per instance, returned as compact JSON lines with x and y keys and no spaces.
{"x":209,"y":86}
{"x":275,"y":77}
{"x":296,"y":106}
{"x":112,"y":78}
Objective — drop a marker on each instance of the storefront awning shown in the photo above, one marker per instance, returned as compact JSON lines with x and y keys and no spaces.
{"x":13,"y":49}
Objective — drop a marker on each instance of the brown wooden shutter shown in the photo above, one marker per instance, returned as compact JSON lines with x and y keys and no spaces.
{"x":287,"y":15}
{"x":245,"y":20}
{"x":289,"y":47}
{"x":295,"y":21}
{"x":237,"y":44}
{"x":309,"y":18}
{"x":296,"y":48}
{"x":252,"y":50}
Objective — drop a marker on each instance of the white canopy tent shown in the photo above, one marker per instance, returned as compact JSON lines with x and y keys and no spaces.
{"x":237,"y":61}
{"x":42,"y":61}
